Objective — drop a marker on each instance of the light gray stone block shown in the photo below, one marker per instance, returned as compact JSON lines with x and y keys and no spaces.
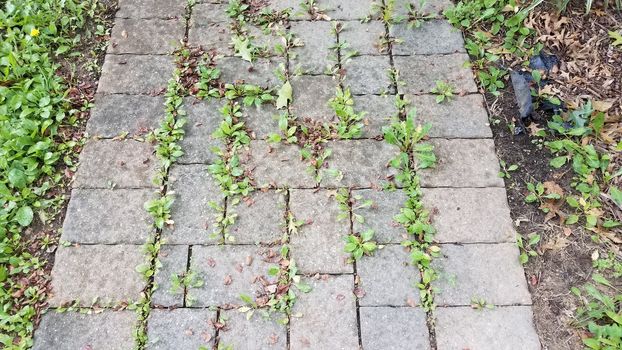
{"x":420,"y":73}
{"x":135,"y":74}
{"x":262,"y":121}
{"x":114,"y":115}
{"x":214,"y":37}
{"x":264,"y":159}
{"x":365,"y":38}
{"x":379,"y":112}
{"x":204,"y":14}
{"x":379,"y":217}
{"x":394,"y":328}
{"x":174,"y":260}
{"x":313,"y":57}
{"x":368,"y":75}
{"x":347,"y":9}
{"x":311,"y":95}
{"x":261,"y":72}
{"x":261,"y":218}
{"x":180,"y":329}
{"x":256,"y":333}
{"x":151,"y":9}
{"x":429,"y":6}
{"x":432,"y":37}
{"x":146,"y":36}
{"x":203,"y":118}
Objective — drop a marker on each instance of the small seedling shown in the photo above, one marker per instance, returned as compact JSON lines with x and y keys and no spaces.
{"x":506,"y":170}
{"x":443,"y":91}
{"x":527,"y":248}
{"x":359,"y":246}
{"x":480,"y":304}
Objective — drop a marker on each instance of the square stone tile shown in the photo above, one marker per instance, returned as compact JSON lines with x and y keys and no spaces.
{"x":111,"y":330}
{"x":379,"y":111}
{"x":363,"y":163}
{"x":429,"y":6}
{"x":314,"y":56}
{"x":485,"y":271}
{"x":174,"y":259}
{"x":195,"y":220}
{"x":108,"y":216}
{"x":470,"y":215}
{"x":204,"y":14}
{"x":463,"y":163}
{"x":135,"y":74}
{"x":114,"y":115}
{"x":329,"y":315}
{"x":261,"y":218}
{"x":267,"y":39}
{"x":256,"y":333}
{"x":379,"y":217}
{"x":216,"y":37}
{"x":501,"y":328}
{"x":420,"y":73}
{"x":368,"y":75}
{"x":203,"y":118}
{"x":296,"y":12}
{"x":364,"y":38}
{"x":180,"y":329}
{"x":347,"y":9}
{"x":261,"y":72}
{"x":462,"y":117}
{"x":103,"y":272}
{"x":118,"y":164}
{"x":394,"y":328}
{"x":130,"y":36}
{"x":227,"y":274}
{"x":262,"y":121}
{"x":319,"y":244}
{"x":433,"y":37}
{"x":311,"y":95}
{"x":388,"y":278}
{"x":151,"y":9}
{"x":277,"y":165}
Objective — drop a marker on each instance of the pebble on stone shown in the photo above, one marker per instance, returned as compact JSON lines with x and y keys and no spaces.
{"x":314,"y":56}
{"x":174,"y":259}
{"x":135,"y":74}
{"x":263,"y":158}
{"x":104,"y":216}
{"x":379,"y":110}
{"x":107,"y":330}
{"x":255,"y":333}
{"x":128,"y":36}
{"x":164,"y":9}
{"x":432,"y":37}
{"x":311,"y":96}
{"x":260,"y":218}
{"x":368,"y":75}
{"x":363,"y":38}
{"x":213,"y":37}
{"x":180,"y":329}
{"x":115,"y":115}
{"x":116,"y":164}
{"x":394,"y":328}
{"x":103,"y":273}
{"x":379,"y":217}
{"x":420,"y":73}
{"x":203,"y":118}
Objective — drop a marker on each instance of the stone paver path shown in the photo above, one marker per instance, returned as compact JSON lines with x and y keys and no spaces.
{"x":370,"y":304}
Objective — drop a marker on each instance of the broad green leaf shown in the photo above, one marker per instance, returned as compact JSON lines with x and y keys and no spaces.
{"x":284,"y":95}
{"x":24,"y":215}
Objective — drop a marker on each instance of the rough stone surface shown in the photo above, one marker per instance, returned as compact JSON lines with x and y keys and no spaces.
{"x":261,"y":218}
{"x":118,"y":164}
{"x":484,"y":271}
{"x":462,"y":117}
{"x":470,"y":215}
{"x":379,"y":111}
{"x":256,"y":333}
{"x":311,"y":96}
{"x":135,"y":74}
{"x":264,"y":158}
{"x":227,"y":274}
{"x":151,"y":9}
{"x":214,"y":37}
{"x":429,"y":6}
{"x":463,"y":163}
{"x":180,"y":329}
{"x":363,"y":163}
{"x":103,"y":272}
{"x":107,"y":216}
{"x":318,"y":246}
{"x":128,"y":36}
{"x":379,"y":217}
{"x":329,"y":320}
{"x":195,"y":220}
{"x":388,"y":278}
{"x":208,"y":13}
{"x":364,"y":38}
{"x":314,"y":56}
{"x":114,"y":115}
{"x":420,"y":73}
{"x":203,"y":118}
{"x":347,"y":9}
{"x":260,"y":72}
{"x":501,"y":328}
{"x":262,"y":121}
{"x":174,"y":259}
{"x":368,"y":75}
{"x":433,"y":37}
{"x":293,"y":6}
{"x":108,"y":330}
{"x":394,"y":328}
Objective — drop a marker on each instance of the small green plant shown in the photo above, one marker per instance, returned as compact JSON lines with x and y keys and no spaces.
{"x":480,"y":304}
{"x":160,"y":210}
{"x":416,"y":17}
{"x":184,"y":281}
{"x":443,"y":91}
{"x":293,"y":224}
{"x":492,"y":80}
{"x":288,"y":132}
{"x":617,"y":39}
{"x":361,"y":245}
{"x":527,"y":247}
{"x":349,"y":123}
{"x":537,"y":195}
{"x":507,"y":169}
{"x":208,"y":85}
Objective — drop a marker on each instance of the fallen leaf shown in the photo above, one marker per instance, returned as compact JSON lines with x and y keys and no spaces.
{"x":227,"y":281}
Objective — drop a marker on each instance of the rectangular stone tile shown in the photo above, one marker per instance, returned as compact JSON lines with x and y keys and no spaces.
{"x":151,"y":9}
{"x":379,"y":217}
{"x":195,"y":220}
{"x":135,"y":74}
{"x":108,"y":216}
{"x":256,"y":333}
{"x":118,"y":164}
{"x":277,"y":165}
{"x":261,"y":72}
{"x":204,"y":14}
{"x":420,"y":73}
{"x":484,"y":271}
{"x":114,"y":115}
{"x":296,"y":12}
{"x":103,"y":272}
{"x":433,"y":37}
{"x":394,"y":328}
{"x":378,"y":112}
{"x":502,"y":328}
{"x":267,"y":39}
{"x":428,"y":6}
{"x":213,"y":37}
{"x":228,"y":272}
{"x":328,"y":315}
{"x":311,"y":95}
{"x":347,"y":9}
{"x":470,"y":215}
{"x":463,"y":163}
{"x":461,"y":117}
{"x":146,"y":36}
{"x":319,"y":244}
{"x":368,"y":75}
{"x":260,"y":218}
{"x":261,"y":121}
{"x":203,"y":118}
{"x":108,"y":330}
{"x":174,"y":260}
{"x":363,"y":163}
{"x":180,"y":329}
{"x":388,"y":278}
{"x":365,"y":38}
{"x":313,"y":57}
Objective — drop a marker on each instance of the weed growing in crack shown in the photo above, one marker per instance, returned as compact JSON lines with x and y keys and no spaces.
{"x":416,"y":17}
{"x":184,"y":281}
{"x":444,"y":91}
{"x":349,"y":124}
